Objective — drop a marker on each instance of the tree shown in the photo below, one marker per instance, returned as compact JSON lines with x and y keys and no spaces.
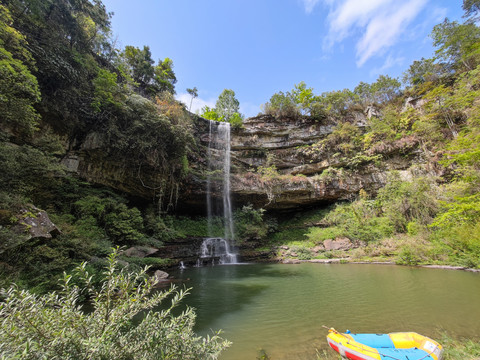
{"x":211,"y":114}
{"x":194,"y":93}
{"x":337,"y":102}
{"x":385,"y":89}
{"x":422,"y":71}
{"x":141,"y":65}
{"x":18,"y":86}
{"x":282,"y":105}
{"x":458,"y":45}
{"x":304,"y":97}
{"x":124,"y":322}
{"x":364,"y":92}
{"x":227,"y":104}
{"x":164,"y":77}
{"x":472,"y":9}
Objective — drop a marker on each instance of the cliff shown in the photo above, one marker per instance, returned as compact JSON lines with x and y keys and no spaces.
{"x":272,"y":166}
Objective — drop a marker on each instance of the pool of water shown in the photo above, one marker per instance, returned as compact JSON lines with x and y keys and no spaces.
{"x":280,"y":309}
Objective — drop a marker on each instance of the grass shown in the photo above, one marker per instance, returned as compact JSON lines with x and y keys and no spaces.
{"x":463,"y":349}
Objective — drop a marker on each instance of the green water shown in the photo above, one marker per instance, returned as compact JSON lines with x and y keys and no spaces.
{"x":281,"y":308}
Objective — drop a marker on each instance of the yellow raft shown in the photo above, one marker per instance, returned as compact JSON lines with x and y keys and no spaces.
{"x":393,"y":346}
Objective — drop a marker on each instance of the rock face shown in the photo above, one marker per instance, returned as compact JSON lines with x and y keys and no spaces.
{"x":338,"y":244}
{"x":288,"y":179}
{"x":36,"y":223}
{"x":269,"y":169}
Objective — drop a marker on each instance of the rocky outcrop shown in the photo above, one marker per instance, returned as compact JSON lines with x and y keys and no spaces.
{"x":36,"y":223}
{"x":30,"y":223}
{"x":264,"y":143}
{"x":294,"y":181}
{"x":185,"y":250}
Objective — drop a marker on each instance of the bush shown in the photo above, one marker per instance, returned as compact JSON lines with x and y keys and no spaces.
{"x":282,"y":105}
{"x":120,"y":325}
{"x":249,"y":223}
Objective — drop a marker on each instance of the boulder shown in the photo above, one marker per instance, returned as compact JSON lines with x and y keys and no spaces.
{"x":140,"y":251}
{"x":161,"y":275}
{"x":340,"y":243}
{"x":36,"y":223}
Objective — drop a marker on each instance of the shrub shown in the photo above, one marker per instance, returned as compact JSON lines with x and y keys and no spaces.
{"x":282,"y":105}
{"x":120,"y":325}
{"x":249,"y":223}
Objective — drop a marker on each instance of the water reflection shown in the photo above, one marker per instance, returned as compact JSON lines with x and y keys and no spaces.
{"x":281,"y":308}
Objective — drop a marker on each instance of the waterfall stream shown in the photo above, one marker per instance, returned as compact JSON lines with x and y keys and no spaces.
{"x":217,"y":248}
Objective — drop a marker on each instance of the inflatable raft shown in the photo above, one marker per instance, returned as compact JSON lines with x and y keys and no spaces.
{"x":393,"y":346}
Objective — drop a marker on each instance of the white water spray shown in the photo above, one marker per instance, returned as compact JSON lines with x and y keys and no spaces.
{"x":219,"y":162}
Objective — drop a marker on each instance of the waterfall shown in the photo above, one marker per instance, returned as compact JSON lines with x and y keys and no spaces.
{"x":219,"y":163}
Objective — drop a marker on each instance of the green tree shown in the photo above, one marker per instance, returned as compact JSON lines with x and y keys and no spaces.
{"x":471,"y":8}
{"x":364,"y":92}
{"x":282,"y":105}
{"x":337,"y":102}
{"x":19,"y":89}
{"x":122,"y":323}
{"x":193,"y":93}
{"x":458,"y":45}
{"x":65,"y":38}
{"x":227,"y":104}
{"x":422,"y":71}
{"x":164,"y":78}
{"x":304,"y":97}
{"x":141,"y":65}
{"x":107,"y":92}
{"x":211,"y":114}
{"x":385,"y":89}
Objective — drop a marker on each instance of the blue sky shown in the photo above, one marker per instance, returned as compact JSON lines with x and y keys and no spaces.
{"x":260,"y":47}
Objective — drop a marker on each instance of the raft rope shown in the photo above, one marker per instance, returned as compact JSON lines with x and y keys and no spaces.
{"x":378,"y":352}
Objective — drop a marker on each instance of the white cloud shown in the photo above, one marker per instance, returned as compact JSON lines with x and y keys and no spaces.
{"x":309,"y":5}
{"x":197,"y":103}
{"x":380,"y":23}
{"x":389,"y":62}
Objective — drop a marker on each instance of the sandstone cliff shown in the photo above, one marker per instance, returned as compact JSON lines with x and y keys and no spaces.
{"x":270,"y":167}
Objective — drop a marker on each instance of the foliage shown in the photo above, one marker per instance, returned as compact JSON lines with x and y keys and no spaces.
{"x":304,"y":97}
{"x":25,"y":169}
{"x":249,"y":223}
{"x":282,"y":105}
{"x":405,"y":201}
{"x":457,"y":44}
{"x":344,"y":140}
{"x":107,"y":91}
{"x":150,"y":80}
{"x":236,"y":120}
{"x":356,"y":221}
{"x":64,"y":39}
{"x":211,"y":114}
{"x":226,"y":110}
{"x":120,"y":325}
{"x":385,"y":89}
{"x":227,"y":105}
{"x":193,"y":93}
{"x":338,"y":102}
{"x":19,"y":89}
{"x":422,"y":71}
{"x":122,"y":224}
{"x":455,"y":349}
{"x":472,"y":9}
{"x":462,"y":211}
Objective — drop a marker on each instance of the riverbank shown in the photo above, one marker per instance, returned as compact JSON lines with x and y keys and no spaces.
{"x":347,"y":261}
